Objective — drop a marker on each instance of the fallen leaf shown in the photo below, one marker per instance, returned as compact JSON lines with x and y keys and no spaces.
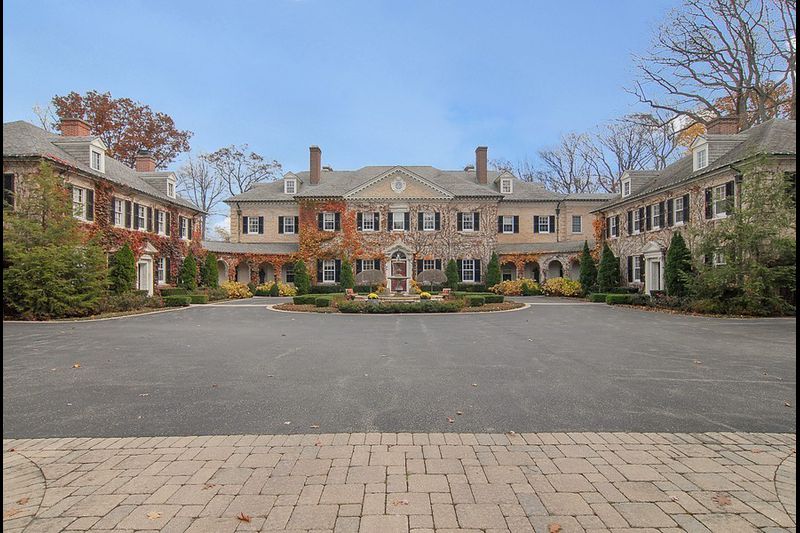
{"x":76,"y":365}
{"x":12,"y":449}
{"x":23,"y":501}
{"x":244,"y":517}
{"x":314,"y":426}
{"x":208,"y":486}
{"x":213,"y":385}
{"x":451,"y":419}
{"x":474,"y":384}
{"x":721,"y":499}
{"x":787,"y":404}
{"x":10,"y":513}
{"x":459,"y":413}
{"x":398,"y":503}
{"x":697,"y":362}
{"x":553,"y":528}
{"x":153,"y":515}
{"x":511,"y":432}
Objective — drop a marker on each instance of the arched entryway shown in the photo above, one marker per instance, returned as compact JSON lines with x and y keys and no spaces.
{"x":243,"y":273}
{"x":222,"y":271}
{"x":508,"y":272}
{"x":265,"y":273}
{"x":574,"y":272}
{"x":531,"y":271}
{"x":555,"y":269}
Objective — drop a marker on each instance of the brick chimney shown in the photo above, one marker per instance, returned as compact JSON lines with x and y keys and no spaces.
{"x":145,"y":162}
{"x":315,"y":164}
{"x":723,"y":126}
{"x":481,"y":164}
{"x":75,"y":127}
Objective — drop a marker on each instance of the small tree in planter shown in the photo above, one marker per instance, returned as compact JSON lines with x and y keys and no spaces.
{"x":678,"y":266}
{"x":588,"y":275}
{"x":608,"y":273}
{"x":346,"y":279}
{"x":301,"y":280}
{"x":451,"y":272}
{"x":187,"y":276}
{"x":122,"y":275}
{"x":493,"y":275}
{"x":208,"y":271}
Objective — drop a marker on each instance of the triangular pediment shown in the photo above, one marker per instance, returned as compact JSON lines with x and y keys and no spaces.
{"x":399,"y":183}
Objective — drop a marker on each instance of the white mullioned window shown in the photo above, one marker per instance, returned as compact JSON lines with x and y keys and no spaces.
{"x":637,"y":269}
{"x":468,"y":222}
{"x":141,"y":217}
{"x":544,"y":224}
{"x":288,"y":225}
{"x":428,"y":221}
{"x":468,"y":270}
{"x":79,"y":202}
{"x":626,"y":188}
{"x":96,"y":160}
{"x":289,"y":273}
{"x":252,"y":225}
{"x":508,"y":224}
{"x":612,"y":226}
{"x":429,"y":264}
{"x":161,"y":270}
{"x":719,"y":201}
{"x":329,"y":271}
{"x":171,"y":189}
{"x":678,"y":210}
{"x":399,"y":221}
{"x":185,"y":228}
{"x":506,"y":186}
{"x":161,"y":223}
{"x":637,"y":221}
{"x":367,"y":222}
{"x":701,"y":158}
{"x":119,"y":212}
{"x":329,"y":221}
{"x":577,"y":224}
{"x":655,"y":216}
{"x":290,"y":186}
{"x":718,"y":259}
{"x":370,"y":264}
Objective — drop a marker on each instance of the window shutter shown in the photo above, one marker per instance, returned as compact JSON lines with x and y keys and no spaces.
{"x":661,"y":214}
{"x":553,"y":224}
{"x":460,"y":222}
{"x":516,"y":223}
{"x":167,"y":268}
{"x":685,"y":208}
{"x":499,"y":224}
{"x":297,"y":224}
{"x":337,"y":272}
{"x":319,"y":221}
{"x":459,"y":263}
{"x":358,"y":265}
{"x":359,"y":225}
{"x":616,"y":226}
{"x":89,"y":205}
{"x":709,"y":208}
{"x":630,"y":268}
{"x":406,"y":221}
{"x":438,"y":264}
{"x":670,"y":214}
{"x":245,"y":224}
{"x":419,"y":266}
{"x":150,"y":219}
{"x":377,"y":224}
{"x":476,"y":221}
{"x":280,"y":225}
{"x":190,"y":223}
{"x":630,"y":222}
{"x":260,"y":226}
{"x":155,"y":220}
{"x":648,"y":224}
{"x":477,"y":270}
{"x":536,"y":225}
{"x":168,"y":223}
{"x":642,"y":223}
{"x":319,"y":270}
{"x":111,"y":212}
{"x":337,"y":221}
{"x":641,"y":268}
{"x":608,"y":227}
{"x":389,"y":221}
{"x":438,"y":221}
{"x":128,"y":213}
{"x":135,"y":215}
{"x":420,"y":216}
{"x":729,"y":197}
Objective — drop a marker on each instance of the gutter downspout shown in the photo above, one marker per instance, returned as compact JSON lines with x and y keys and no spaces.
{"x":558,"y":217}
{"x":238,"y":222}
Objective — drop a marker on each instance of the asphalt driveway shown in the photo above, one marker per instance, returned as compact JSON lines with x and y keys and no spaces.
{"x":556,"y":366}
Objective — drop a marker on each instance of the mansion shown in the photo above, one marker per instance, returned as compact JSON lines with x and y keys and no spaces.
{"x":401,"y":223}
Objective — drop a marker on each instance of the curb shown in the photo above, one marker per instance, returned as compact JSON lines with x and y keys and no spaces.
{"x":271,"y":307}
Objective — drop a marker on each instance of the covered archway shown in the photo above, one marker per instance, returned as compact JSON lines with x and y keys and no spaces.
{"x":222,"y":271}
{"x":555,"y":269}
{"x":243,"y":272}
{"x":574,"y":271}
{"x":531,"y":271}
{"x":508,"y":272}
{"x":265,"y":273}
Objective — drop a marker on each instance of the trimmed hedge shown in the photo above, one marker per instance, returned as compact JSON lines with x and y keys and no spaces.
{"x":615,"y":299}
{"x":597,"y":297}
{"x":178,"y":300}
{"x":494,"y":298}
{"x":174,"y":291}
{"x":217,"y":293}
{"x":199,"y":298}
{"x":475,"y":301}
{"x":416,"y":307}
{"x":322,"y":301}
{"x":311,"y":299}
{"x":623,"y":290}
{"x":327,"y":288}
{"x":472,"y":287}
{"x":261,"y":292}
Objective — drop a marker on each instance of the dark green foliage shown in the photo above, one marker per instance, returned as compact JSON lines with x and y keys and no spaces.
{"x":475,"y":301}
{"x":274,"y":290}
{"x":209,"y":275}
{"x":328,"y":288}
{"x":346,"y":279}
{"x":187,"y":275}
{"x":472,"y":287}
{"x":305,"y":299}
{"x":613,"y":299}
{"x":217,"y":294}
{"x":127,"y":301}
{"x":453,"y":276}
{"x":301,"y":280}
{"x":678,"y":266}
{"x":177,"y":300}
{"x":54,"y":281}
{"x":322,"y":301}
{"x":588,"y":276}
{"x":173,"y":291}
{"x":597,"y":297}
{"x":199,"y":298}
{"x":397,"y":307}
{"x":529,"y":289}
{"x":252,"y":287}
{"x":493,"y":275}
{"x":623,"y":290}
{"x":494,"y":298}
{"x":122,"y":274}
{"x":608,"y":272}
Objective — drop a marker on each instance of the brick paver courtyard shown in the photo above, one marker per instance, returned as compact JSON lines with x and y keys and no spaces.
{"x":387,"y":482}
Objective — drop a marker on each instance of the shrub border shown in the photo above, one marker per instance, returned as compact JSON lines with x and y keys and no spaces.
{"x":271,"y":307}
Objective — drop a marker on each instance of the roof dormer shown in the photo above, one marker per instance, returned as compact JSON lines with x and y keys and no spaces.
{"x":97,"y":155}
{"x":505,"y":182}
{"x":700,"y":153}
{"x":291,"y":183}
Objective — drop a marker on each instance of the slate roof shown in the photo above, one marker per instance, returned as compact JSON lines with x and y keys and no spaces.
{"x":774,"y":137}
{"x":22,"y":139}
{"x":250,"y":248}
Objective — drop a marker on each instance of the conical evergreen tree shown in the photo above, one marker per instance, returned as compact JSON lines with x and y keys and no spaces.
{"x":678,"y":266}
{"x":588,"y":275}
{"x":493,"y":276}
{"x":608,"y":272}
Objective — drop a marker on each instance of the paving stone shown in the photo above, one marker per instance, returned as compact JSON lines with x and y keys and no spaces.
{"x":480,"y":516}
{"x":641,"y":491}
{"x":149,"y":517}
{"x":644,"y":515}
{"x":570,"y":483}
{"x":407,"y":503}
{"x":284,"y":485}
{"x":366,"y":474}
{"x":428,"y":483}
{"x":493,"y":493}
{"x":93,"y":505}
{"x":384,"y":524}
{"x":313,"y":517}
{"x":565,"y":504}
{"x":343,"y":494}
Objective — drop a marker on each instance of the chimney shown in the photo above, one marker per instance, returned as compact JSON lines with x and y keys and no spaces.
{"x":145,"y":162}
{"x":723,"y":126}
{"x":481,"y":164}
{"x":75,"y":127}
{"x":315,"y":164}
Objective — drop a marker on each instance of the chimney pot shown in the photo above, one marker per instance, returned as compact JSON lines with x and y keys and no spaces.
{"x":481,"y":164}
{"x":144,"y":161}
{"x":723,"y":126}
{"x":315,"y":164}
{"x":75,"y":127}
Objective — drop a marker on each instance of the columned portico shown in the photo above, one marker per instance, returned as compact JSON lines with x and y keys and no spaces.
{"x":653,"y":267}
{"x":398,"y":268}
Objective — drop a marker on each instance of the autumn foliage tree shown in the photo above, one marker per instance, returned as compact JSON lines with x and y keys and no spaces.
{"x":125,"y":126}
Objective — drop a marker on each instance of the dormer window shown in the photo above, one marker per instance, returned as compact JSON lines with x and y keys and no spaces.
{"x":626,"y":188}
{"x":701,"y":158}
{"x":506,"y":186}
{"x":290,"y":187}
{"x":171,"y":189}
{"x":96,"y":160}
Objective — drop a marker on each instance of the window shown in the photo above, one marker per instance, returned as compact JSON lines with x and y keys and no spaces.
{"x":185,"y":227}
{"x":119,"y":212}
{"x":577,"y":224}
{"x":289,"y":273}
{"x":429,"y":264}
{"x":468,"y":222}
{"x":508,"y":224}
{"x":161,"y":222}
{"x":370,"y":264}
{"x":290,"y":186}
{"x":655,"y":216}
{"x":9,"y":190}
{"x":141,"y":217}
{"x":428,"y":221}
{"x":398,"y":221}
{"x":719,"y":201}
{"x":468,"y":270}
{"x":161,"y":270}
{"x":367,"y":222}
{"x":701,"y":158}
{"x":79,"y":202}
{"x":96,"y":160}
{"x":329,"y":271}
{"x":626,"y":188}
{"x":678,"y":210}
{"x":637,"y":269}
{"x":329,"y":221}
{"x":288,"y":225}
{"x":506,"y":186}
{"x":544,"y":224}
{"x":613,"y":231}
{"x":170,"y":189}
{"x":637,"y":220}
{"x":719,"y":259}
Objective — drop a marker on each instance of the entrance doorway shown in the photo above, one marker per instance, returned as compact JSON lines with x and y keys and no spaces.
{"x":144,"y":276}
{"x":399,"y":272}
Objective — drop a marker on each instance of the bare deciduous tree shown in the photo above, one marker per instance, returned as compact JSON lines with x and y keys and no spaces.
{"x":239,"y":169}
{"x":198,"y":182}
{"x":566,"y":168}
{"x":46,"y":117}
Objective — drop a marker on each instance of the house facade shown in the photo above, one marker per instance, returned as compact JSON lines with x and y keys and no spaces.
{"x":701,"y":188}
{"x":113,"y":202}
{"x":401,"y":223}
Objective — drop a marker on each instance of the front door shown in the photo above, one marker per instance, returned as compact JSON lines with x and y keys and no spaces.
{"x":399,"y":275}
{"x":144,"y":281}
{"x":655,"y":276}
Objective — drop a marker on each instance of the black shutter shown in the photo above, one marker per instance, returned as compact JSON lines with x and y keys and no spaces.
{"x":630,"y":268}
{"x":358,"y":265}
{"x":280,"y":225}
{"x":128,"y":207}
{"x":245,"y":223}
{"x":729,"y":198}
{"x":458,"y":264}
{"x":536,"y":224}
{"x":389,"y":221}
{"x":260,"y":226}
{"x":150,"y":219}
{"x":419,"y":266}
{"x":190,"y":224}
{"x":168,"y":223}
{"x":608,"y":227}
{"x":460,"y":222}
{"x":553,"y":223}
{"x":337,"y":272}
{"x":476,"y":221}
{"x":661,"y":214}
{"x":670,"y":214}
{"x":420,"y":216}
{"x":406,"y":221}
{"x":112,"y":211}
{"x":516,"y":223}
{"x":641,"y":268}
{"x":359,"y":218}
{"x":709,"y":209}
{"x":648,"y":223}
{"x":499,"y":224}
{"x":337,"y":221}
{"x":377,"y":223}
{"x":319,"y":270}
{"x":438,"y":264}
{"x":641,"y":219}
{"x":89,"y":205}
{"x":319,"y":221}
{"x":167,"y":267}
{"x":297,"y":225}
{"x":630,"y":222}
{"x":438,"y":221}
{"x":685,"y":208}
{"x":477,"y":264}
{"x":155,"y":220}
{"x":135,"y":215}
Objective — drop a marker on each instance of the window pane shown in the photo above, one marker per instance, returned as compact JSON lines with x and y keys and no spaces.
{"x":577,"y":224}
{"x":467,"y":221}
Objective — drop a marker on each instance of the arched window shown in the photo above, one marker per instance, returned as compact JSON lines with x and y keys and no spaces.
{"x":398,"y":255}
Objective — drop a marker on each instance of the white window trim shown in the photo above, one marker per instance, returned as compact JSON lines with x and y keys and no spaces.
{"x":580,"y":223}
{"x":399,"y":216}
{"x":161,"y":271}
{"x":161,"y":223}
{"x":471,"y":270}
{"x":79,"y":204}
{"x":368,"y":218}
{"x":141,"y":226}
{"x":698,"y":152}
{"x":288,"y":272}
{"x":429,"y":221}
{"x":121,"y":213}
{"x":101,"y":167}
{"x":185,"y":228}
{"x":508,"y":220}
{"x":546,"y":220}
{"x":723,"y":199}
{"x":637,"y":222}
{"x":252,"y":225}
{"x":626,"y":188}
{"x":328,"y":267}
{"x":675,"y":211}
{"x":506,"y":186}
{"x":613,"y":231}
{"x":636,"y":275}
{"x":290,"y":184}
{"x":655,"y":215}
{"x":428,"y":264}
{"x":471,"y":219}
{"x":288,"y":222}
{"x":171,"y":188}
{"x":328,"y":218}
{"x":369,"y":264}
{"x":718,"y":259}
